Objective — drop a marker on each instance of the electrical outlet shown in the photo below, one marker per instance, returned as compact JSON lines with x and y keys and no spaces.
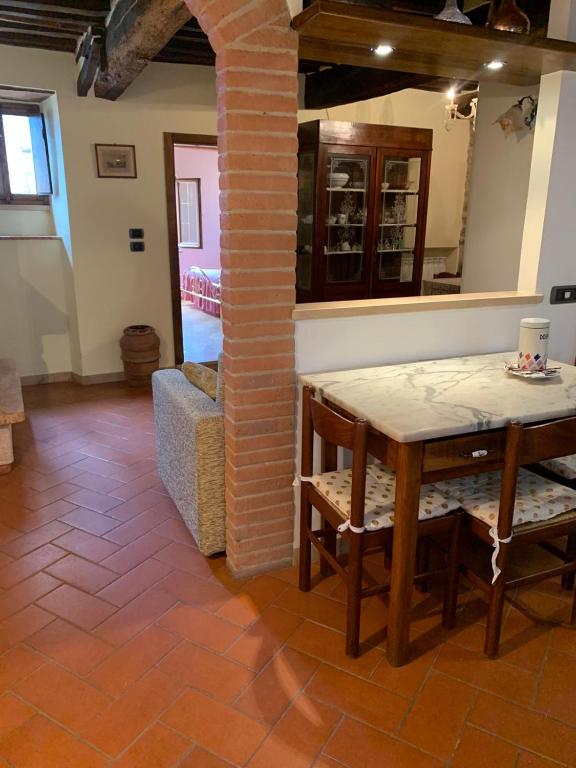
{"x":136,"y":234}
{"x":137,"y":246}
{"x":563,"y":294}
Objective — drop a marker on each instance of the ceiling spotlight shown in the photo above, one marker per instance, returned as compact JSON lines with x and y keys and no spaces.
{"x":383,"y":50}
{"x":494,"y":65}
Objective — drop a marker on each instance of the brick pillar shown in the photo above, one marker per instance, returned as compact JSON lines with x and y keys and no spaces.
{"x":256,"y":68}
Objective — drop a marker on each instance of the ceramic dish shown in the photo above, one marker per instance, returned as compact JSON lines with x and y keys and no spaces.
{"x":548,"y":373}
{"x":338,"y":179}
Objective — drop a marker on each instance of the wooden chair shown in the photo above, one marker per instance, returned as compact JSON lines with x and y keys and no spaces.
{"x":517,"y":507}
{"x":349,"y":505}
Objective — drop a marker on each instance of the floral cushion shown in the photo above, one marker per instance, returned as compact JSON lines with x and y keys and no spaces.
{"x":336,"y":487}
{"x":564,"y":467}
{"x":536,"y":497}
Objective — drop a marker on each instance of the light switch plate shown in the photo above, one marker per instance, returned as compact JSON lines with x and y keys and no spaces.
{"x":563,"y":294}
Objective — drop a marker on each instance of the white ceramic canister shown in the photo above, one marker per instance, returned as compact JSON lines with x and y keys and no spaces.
{"x":533,"y":343}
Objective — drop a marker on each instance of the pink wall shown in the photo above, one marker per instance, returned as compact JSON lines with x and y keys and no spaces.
{"x":202,"y":163}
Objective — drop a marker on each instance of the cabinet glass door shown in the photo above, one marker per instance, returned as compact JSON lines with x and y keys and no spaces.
{"x":346,"y":212}
{"x":305,"y":237}
{"x":398,"y":220}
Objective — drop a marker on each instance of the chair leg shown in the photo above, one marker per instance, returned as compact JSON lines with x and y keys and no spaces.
{"x":354,"y":600}
{"x":453,"y":574}
{"x":388,"y":553}
{"x":423,"y":563}
{"x":494,"y":625}
{"x":569,"y":578}
{"x":305,"y":544}
{"x":330,"y":544}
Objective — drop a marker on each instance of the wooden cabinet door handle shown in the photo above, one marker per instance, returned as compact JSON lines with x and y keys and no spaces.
{"x":480,"y":453}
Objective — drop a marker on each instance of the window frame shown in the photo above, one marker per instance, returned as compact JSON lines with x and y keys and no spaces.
{"x":184,"y":243}
{"x":6,"y":196}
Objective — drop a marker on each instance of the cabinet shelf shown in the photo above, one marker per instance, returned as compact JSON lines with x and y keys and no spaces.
{"x":399,"y":191}
{"x":345,"y":226}
{"x":399,"y":224}
{"x":397,"y":250}
{"x":339,"y":253}
{"x":344,"y":189}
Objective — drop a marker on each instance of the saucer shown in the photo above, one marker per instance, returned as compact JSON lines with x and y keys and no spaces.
{"x":548,"y":373}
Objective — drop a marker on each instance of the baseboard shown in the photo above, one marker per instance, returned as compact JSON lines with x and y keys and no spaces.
{"x":70,"y":376}
{"x":98,"y":378}
{"x":46,"y":378}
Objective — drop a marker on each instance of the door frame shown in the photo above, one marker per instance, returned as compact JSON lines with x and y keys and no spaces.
{"x":171,"y":140}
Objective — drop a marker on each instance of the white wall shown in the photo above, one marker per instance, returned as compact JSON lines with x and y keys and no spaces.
{"x":421,"y":109}
{"x":498,"y":193}
{"x":26,"y":220}
{"x":113,"y":286}
{"x":34,"y":326}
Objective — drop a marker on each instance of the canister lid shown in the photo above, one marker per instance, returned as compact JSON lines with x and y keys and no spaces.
{"x":534,"y":322}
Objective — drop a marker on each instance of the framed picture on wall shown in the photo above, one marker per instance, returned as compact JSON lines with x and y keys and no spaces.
{"x":189,"y":211}
{"x":116,"y":161}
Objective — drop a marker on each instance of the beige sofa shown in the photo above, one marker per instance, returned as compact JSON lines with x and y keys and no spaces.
{"x":190,"y":446}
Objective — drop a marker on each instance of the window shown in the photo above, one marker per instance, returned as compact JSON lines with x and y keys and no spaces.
{"x":24,"y":169}
{"x":189,"y":213}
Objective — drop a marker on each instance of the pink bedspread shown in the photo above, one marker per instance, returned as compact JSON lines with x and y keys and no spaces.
{"x":202,"y":288}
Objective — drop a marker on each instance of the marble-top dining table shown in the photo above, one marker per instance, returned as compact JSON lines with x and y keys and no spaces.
{"x":432,"y":420}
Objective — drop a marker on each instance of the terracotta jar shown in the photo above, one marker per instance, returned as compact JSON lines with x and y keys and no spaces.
{"x":509,"y":18}
{"x":140,"y":354}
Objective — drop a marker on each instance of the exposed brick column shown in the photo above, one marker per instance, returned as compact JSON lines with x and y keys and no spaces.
{"x":256,"y":67}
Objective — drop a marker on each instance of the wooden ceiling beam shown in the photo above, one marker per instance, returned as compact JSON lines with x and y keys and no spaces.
{"x":342,"y":84}
{"x":46,"y":42}
{"x":137,"y":30}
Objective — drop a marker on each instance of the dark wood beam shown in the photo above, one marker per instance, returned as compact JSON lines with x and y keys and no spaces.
{"x":344,"y":33}
{"x":344,"y":84}
{"x":136,"y":32}
{"x":46,"y":42}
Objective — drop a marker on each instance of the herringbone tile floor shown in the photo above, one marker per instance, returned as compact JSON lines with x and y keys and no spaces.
{"x":122,"y":646}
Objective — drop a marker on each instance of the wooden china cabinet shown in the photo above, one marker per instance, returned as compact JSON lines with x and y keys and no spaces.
{"x":362,"y":203}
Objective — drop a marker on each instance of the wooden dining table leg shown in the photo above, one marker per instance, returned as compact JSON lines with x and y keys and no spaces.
{"x":408,"y":481}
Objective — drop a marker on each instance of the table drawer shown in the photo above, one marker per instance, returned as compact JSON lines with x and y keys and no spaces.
{"x":468,"y":451}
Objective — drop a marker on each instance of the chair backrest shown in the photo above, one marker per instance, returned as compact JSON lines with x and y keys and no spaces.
{"x":528,"y":445}
{"x":335,"y":430}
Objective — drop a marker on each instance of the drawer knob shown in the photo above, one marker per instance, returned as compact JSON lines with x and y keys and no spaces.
{"x":479,"y":454}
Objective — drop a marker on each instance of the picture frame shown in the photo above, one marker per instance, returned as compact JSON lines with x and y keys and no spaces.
{"x":189,"y":213}
{"x":116,"y":161}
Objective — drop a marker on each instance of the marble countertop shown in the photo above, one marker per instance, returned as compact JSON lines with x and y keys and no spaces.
{"x":441,"y":398}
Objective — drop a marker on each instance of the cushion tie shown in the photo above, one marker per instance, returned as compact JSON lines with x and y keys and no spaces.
{"x":347,"y":525}
{"x":299,"y":478}
{"x":494,"y":535}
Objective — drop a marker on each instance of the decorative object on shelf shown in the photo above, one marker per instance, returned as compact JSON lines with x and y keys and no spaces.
{"x":399,"y":209}
{"x":347,"y":208}
{"x":509,"y":18}
{"x":338,"y":179}
{"x":345,"y":236}
{"x":521,"y":116}
{"x":116,"y":161}
{"x":453,"y":112}
{"x":452,"y":12}
{"x":140,"y":354}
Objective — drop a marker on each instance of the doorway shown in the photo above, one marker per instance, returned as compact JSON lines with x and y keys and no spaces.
{"x":191,"y":163}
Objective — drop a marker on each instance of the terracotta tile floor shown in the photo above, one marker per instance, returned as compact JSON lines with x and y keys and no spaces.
{"x":122,"y":646}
